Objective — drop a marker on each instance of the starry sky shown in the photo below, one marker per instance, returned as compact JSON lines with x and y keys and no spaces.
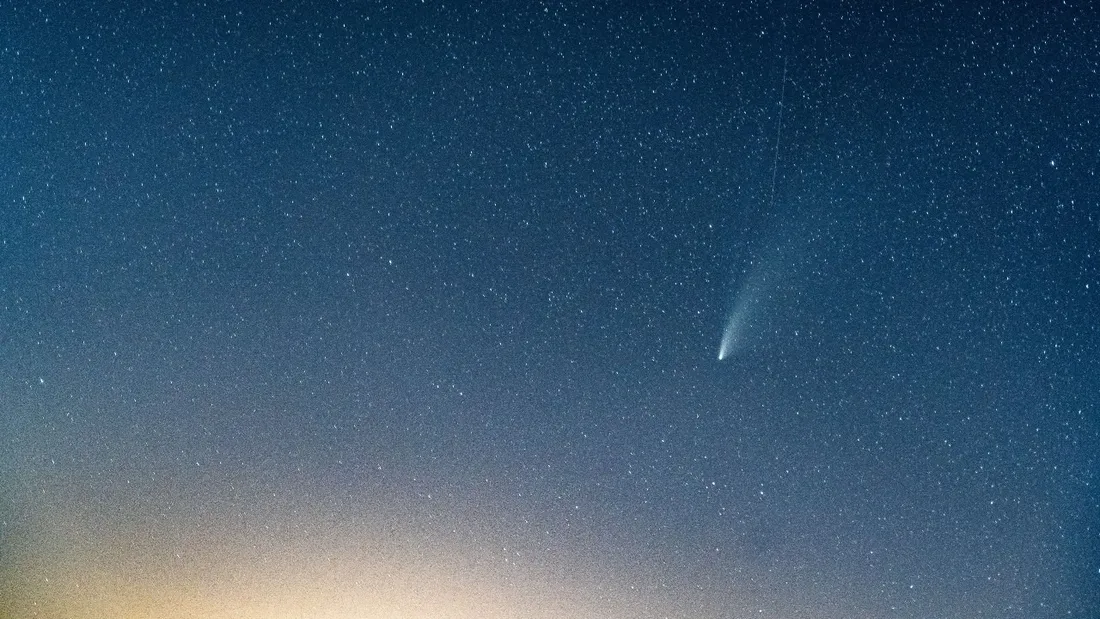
{"x":415,"y":309}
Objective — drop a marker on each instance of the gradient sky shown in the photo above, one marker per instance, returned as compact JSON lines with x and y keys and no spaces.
{"x":413,"y":309}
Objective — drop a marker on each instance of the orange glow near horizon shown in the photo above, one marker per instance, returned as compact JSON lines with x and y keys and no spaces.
{"x":80,"y":562}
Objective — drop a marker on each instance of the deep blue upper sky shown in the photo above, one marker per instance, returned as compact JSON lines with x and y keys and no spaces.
{"x":487,"y":253}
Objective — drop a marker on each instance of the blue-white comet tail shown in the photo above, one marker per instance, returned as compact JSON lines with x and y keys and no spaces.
{"x":735,"y":337}
{"x":732,"y":335}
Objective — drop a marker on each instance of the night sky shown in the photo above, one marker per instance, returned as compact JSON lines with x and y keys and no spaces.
{"x":416,"y":310}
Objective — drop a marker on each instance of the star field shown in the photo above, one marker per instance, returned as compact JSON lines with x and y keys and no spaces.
{"x":357,"y":309}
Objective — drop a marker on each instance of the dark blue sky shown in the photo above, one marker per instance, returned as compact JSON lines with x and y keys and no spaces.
{"x":417,"y":307}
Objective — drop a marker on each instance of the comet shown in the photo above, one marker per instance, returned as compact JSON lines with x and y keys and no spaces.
{"x":732,"y":334}
{"x":746,"y":305}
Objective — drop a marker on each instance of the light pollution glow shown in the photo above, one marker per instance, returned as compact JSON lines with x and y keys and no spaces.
{"x":128,"y":537}
{"x":88,"y":558}
{"x":275,"y":560}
